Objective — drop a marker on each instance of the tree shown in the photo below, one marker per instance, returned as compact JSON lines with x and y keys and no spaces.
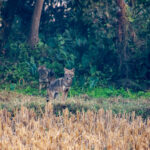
{"x":34,"y":29}
{"x":122,"y":39}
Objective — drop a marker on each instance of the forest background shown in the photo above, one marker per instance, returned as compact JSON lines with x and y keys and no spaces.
{"x":106,"y":41}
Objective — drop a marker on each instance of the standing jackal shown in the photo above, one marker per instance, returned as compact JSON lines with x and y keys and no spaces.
{"x":45,"y":77}
{"x":61,"y":85}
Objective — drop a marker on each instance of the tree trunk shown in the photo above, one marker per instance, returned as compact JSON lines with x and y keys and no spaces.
{"x":122,"y":39}
{"x":34,"y":29}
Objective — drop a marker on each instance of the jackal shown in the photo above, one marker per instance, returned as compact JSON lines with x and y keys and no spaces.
{"x":61,"y":85}
{"x":45,"y":77}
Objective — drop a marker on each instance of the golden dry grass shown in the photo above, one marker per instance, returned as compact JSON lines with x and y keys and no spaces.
{"x":83,"y":131}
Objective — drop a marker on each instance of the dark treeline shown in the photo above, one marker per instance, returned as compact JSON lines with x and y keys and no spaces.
{"x":106,"y":41}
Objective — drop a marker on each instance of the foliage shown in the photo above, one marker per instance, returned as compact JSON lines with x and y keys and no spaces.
{"x":80,"y":34}
{"x":112,"y":92}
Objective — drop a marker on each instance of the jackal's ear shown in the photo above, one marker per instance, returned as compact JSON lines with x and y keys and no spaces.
{"x":73,"y":69}
{"x":39,"y":67}
{"x":65,"y":69}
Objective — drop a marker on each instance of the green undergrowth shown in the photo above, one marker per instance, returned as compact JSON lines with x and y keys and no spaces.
{"x":111,"y":92}
{"x":99,"y":92}
{"x":11,"y":100}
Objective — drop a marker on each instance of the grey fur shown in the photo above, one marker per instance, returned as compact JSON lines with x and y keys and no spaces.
{"x":61,"y":85}
{"x":45,"y":77}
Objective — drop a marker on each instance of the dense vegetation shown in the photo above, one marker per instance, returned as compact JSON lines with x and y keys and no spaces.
{"x":108,"y":42}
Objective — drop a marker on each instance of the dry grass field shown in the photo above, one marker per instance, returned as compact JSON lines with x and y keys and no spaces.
{"x":29,"y":123}
{"x":84,"y":131}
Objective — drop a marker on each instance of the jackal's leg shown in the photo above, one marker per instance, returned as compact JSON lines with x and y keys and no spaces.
{"x":55,"y":95}
{"x":64,"y":95}
{"x":40,"y":87}
{"x":47,"y":85}
{"x":49,"y":95}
